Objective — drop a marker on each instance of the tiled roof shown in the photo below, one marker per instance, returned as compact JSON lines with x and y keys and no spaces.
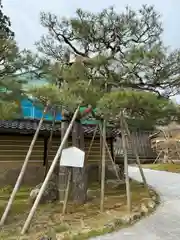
{"x":27,"y":126}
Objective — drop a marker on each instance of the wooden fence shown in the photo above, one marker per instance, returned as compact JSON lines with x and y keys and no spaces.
{"x":140,"y":140}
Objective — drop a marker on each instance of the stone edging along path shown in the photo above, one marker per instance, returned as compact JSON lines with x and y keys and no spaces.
{"x":145,"y":208}
{"x":164,"y":223}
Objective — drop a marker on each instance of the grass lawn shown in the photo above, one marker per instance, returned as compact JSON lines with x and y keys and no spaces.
{"x":85,"y":220}
{"x":169,"y":167}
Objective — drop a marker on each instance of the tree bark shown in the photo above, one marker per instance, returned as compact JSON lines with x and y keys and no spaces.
{"x":57,"y":185}
{"x":63,"y":171}
{"x":121,"y":172}
{"x":51,"y":194}
{"x":79,"y":188}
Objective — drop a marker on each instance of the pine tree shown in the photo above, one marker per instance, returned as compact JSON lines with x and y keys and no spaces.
{"x":5,"y":26}
{"x":10,"y":87}
{"x":118,"y":52}
{"x":15,"y":67}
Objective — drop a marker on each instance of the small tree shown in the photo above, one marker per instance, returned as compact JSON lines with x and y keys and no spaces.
{"x":12,"y":65}
{"x":17,"y":68}
{"x":5,"y":28}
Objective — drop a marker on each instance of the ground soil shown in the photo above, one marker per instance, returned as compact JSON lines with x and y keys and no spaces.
{"x":49,"y":220}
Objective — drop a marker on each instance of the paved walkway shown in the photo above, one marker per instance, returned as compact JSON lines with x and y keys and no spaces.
{"x":164,"y":224}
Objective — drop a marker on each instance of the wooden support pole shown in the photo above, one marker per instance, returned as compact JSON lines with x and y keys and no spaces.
{"x":158,"y":156}
{"x":100,"y":159}
{"x":103,"y":167}
{"x":91,"y":143}
{"x":113,"y":163}
{"x":46,"y":139}
{"x":53,"y":165}
{"x":177,"y":150}
{"x":128,"y":191}
{"x":67,"y":191}
{"x":49,"y":144}
{"x":62,"y":170}
{"x":136,"y":156}
{"x":111,"y":158}
{"x":23,"y":169}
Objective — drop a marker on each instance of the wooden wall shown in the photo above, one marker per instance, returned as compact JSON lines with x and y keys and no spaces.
{"x":13,"y":150}
{"x":141,"y":141}
{"x":95,"y":154}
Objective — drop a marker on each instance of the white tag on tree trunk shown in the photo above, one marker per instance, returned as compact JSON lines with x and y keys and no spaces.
{"x":72,"y":157}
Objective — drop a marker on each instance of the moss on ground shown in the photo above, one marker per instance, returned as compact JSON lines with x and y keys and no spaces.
{"x":168,"y":167}
{"x":83,"y":221}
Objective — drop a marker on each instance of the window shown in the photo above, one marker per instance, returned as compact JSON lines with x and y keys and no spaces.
{"x":28,"y":112}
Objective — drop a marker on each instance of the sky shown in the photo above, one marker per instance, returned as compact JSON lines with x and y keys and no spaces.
{"x":24,"y":15}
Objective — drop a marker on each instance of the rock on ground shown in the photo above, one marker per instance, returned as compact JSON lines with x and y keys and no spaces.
{"x":50,"y":194}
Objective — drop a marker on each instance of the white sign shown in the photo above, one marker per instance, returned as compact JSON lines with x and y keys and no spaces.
{"x":72,"y":157}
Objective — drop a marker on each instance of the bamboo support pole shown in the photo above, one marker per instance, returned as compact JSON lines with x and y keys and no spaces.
{"x":63,"y":171}
{"x":128,"y":191}
{"x":103,"y":168}
{"x":158,"y":156}
{"x":23,"y":169}
{"x":67,"y":191}
{"x":53,"y":165}
{"x":136,"y":156}
{"x":91,"y":143}
{"x":110,"y":156}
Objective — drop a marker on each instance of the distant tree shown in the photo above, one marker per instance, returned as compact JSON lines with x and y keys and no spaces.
{"x":8,"y":56}
{"x":5,"y":25}
{"x":9,"y":110}
{"x":15,"y":65}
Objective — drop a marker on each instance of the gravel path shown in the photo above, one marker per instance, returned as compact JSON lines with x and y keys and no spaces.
{"x":165,"y":222}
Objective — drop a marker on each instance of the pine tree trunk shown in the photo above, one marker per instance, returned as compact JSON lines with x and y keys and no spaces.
{"x":63,"y":171}
{"x":55,"y":189}
{"x":121,"y":172}
{"x":79,"y":188}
